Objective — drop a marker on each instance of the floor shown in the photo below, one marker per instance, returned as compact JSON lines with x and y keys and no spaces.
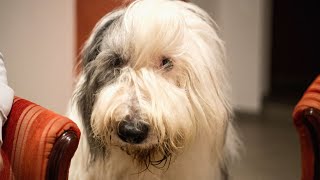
{"x":271,"y":144}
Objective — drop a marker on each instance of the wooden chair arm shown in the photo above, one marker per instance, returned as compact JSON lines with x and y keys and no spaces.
{"x":61,"y":155}
{"x":311,"y":120}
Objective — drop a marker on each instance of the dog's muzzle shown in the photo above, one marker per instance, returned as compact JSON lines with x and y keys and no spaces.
{"x":133,"y":132}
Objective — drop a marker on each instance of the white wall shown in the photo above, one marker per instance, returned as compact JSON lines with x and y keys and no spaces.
{"x":243,"y":25}
{"x":37,"y":41}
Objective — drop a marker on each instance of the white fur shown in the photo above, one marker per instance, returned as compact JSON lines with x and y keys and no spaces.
{"x":187,"y":107}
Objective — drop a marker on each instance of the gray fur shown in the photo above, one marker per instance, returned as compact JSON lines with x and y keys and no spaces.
{"x":100,"y":67}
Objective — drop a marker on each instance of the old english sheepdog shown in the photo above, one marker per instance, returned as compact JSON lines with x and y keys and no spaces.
{"x":152,"y":98}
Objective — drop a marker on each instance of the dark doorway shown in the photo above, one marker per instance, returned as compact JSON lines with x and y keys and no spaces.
{"x":295,"y":48}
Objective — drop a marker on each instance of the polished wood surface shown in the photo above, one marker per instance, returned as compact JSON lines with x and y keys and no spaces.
{"x":60,"y":157}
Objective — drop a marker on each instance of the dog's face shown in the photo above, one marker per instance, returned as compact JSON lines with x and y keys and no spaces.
{"x":153,"y":81}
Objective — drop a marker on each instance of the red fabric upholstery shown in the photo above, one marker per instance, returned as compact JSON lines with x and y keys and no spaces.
{"x":306,"y":116}
{"x":29,"y":135}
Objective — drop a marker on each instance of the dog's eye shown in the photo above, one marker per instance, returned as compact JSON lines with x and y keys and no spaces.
{"x":116,"y":61}
{"x":166,"y":63}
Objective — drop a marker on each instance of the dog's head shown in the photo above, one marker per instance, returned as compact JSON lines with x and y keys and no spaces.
{"x":153,"y":81}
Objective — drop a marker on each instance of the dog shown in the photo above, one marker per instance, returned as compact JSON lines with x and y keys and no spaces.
{"x":152,"y":100}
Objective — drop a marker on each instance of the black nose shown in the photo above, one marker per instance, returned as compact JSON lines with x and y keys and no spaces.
{"x":133,"y":132}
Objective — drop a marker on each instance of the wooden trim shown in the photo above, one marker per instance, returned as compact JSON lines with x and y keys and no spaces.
{"x":61,"y":155}
{"x":311,"y":161}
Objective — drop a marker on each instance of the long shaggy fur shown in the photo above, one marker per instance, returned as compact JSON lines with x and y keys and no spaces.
{"x":159,"y":62}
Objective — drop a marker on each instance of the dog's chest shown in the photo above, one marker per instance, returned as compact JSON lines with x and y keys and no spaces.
{"x":194,"y":164}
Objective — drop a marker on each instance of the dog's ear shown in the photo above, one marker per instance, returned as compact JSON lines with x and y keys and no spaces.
{"x":92,"y":46}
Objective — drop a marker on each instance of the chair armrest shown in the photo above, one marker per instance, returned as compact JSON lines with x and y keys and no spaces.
{"x":33,"y":142}
{"x":306,"y":116}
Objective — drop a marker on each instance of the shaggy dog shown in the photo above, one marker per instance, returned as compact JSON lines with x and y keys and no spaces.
{"x":152,"y":98}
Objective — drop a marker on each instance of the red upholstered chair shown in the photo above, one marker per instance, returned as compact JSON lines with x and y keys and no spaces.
{"x":306,"y":116}
{"x":37,"y":143}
